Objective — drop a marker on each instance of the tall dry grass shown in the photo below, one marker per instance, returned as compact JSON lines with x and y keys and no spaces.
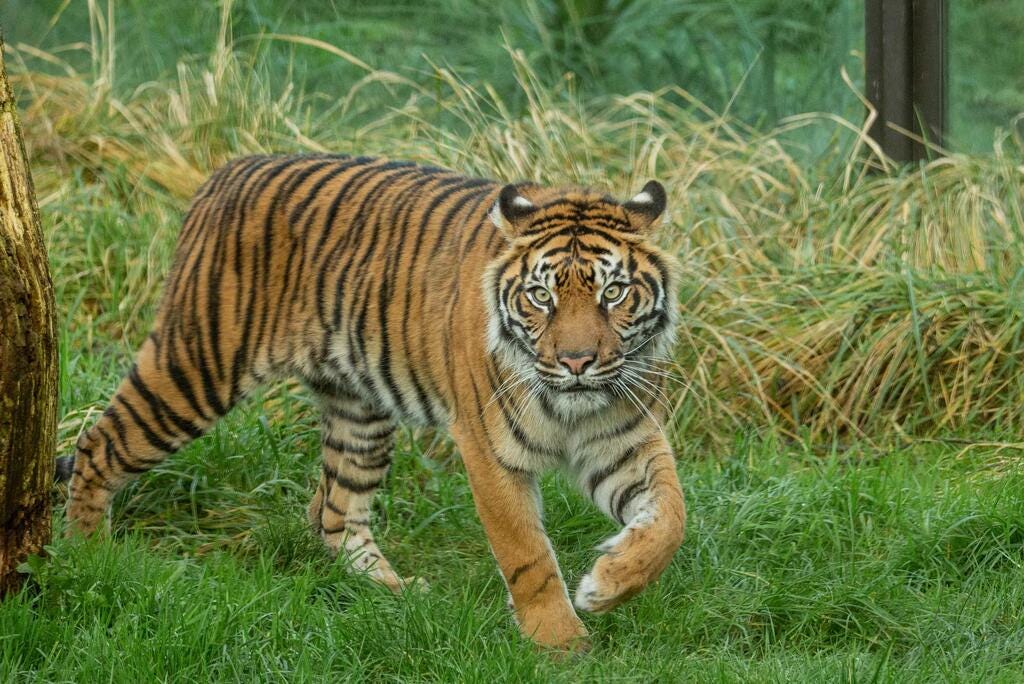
{"x":829,"y":294}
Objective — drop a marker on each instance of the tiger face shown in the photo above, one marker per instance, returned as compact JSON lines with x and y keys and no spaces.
{"x":581,"y":302}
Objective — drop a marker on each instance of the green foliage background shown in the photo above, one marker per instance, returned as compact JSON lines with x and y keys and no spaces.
{"x":760,"y":60}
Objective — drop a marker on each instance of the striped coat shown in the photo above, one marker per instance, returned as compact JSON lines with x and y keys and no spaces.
{"x":528,"y":321}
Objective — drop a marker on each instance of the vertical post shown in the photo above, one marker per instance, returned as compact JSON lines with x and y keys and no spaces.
{"x":905,"y":49}
{"x":931,"y":66}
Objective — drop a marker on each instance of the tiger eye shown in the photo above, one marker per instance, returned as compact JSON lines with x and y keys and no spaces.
{"x":540,"y":295}
{"x":612,"y":293}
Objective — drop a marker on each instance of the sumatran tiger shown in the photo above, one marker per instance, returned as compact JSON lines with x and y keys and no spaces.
{"x":528,"y":321}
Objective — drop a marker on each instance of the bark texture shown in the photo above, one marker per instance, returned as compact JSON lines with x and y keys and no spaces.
{"x":28,"y":355}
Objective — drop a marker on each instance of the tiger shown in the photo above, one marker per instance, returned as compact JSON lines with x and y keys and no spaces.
{"x":529,"y":322}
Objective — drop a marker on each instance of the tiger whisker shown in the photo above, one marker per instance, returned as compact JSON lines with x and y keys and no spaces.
{"x":526,"y":400}
{"x":641,"y":407}
{"x":642,"y":368}
{"x":509,"y":384}
{"x":639,"y":346}
{"x":671,"y":377}
{"x":652,"y":390}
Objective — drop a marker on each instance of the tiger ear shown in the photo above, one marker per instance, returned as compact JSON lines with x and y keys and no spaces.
{"x":511,"y":211}
{"x":646,"y":206}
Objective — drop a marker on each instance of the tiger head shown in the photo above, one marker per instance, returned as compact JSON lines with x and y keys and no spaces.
{"x":581,"y":301}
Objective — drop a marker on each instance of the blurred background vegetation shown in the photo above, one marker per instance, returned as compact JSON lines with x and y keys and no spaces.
{"x":758,"y":60}
{"x":830,"y":294}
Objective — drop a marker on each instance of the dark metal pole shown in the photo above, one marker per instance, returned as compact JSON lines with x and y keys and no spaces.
{"x":931,"y":67}
{"x":905,"y":45}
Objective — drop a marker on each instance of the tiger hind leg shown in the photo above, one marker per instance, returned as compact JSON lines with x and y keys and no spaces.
{"x":158,"y":408}
{"x":356,"y":440}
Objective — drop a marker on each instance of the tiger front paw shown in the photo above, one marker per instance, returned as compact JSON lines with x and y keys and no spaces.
{"x":554,"y":627}
{"x":631,"y":561}
{"x":606,"y":586}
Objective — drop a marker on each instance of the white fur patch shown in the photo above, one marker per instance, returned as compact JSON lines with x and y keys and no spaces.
{"x":522,"y":203}
{"x":496,"y":217}
{"x":576,"y":406}
{"x":586,"y":593}
{"x":642,"y":198}
{"x":609,"y":544}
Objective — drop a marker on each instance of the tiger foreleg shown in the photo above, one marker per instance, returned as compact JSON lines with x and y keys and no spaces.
{"x":642,"y":492}
{"x":508,"y":504}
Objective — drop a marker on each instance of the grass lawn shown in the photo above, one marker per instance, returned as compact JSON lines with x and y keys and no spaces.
{"x":906,"y":567}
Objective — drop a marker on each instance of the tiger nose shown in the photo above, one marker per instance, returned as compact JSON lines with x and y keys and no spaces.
{"x":577,"y":361}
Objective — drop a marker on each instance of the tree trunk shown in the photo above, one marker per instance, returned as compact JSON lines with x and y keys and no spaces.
{"x":28,"y":356}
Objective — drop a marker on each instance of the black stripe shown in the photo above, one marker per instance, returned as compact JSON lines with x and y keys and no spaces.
{"x":370,"y":436}
{"x":487,"y":188}
{"x":314,"y":192}
{"x":542,"y":587}
{"x":400,"y":220}
{"x":266,"y":311}
{"x":514,"y":577}
{"x":112,"y":454}
{"x":453,"y":304}
{"x":324,"y":266}
{"x":160,"y":408}
{"x":356,"y":487}
{"x":414,"y":285}
{"x":346,"y":447}
{"x":578,"y":232}
{"x":515,"y":470}
{"x":155,"y":440}
{"x":361,"y":419}
{"x":626,"y":496}
{"x":615,"y":432}
{"x":331,"y":507}
{"x":243,"y":359}
{"x":483,"y":224}
{"x":93,"y":466}
{"x":368,"y":209}
{"x":282,"y":312}
{"x":401,"y":211}
{"x":328,"y":387}
{"x":376,"y":464}
{"x":600,"y":476}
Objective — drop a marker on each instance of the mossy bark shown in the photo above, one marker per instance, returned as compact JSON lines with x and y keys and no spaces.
{"x":28,"y":356}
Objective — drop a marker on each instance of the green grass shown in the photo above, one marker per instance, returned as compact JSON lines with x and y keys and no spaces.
{"x":904,"y":567}
{"x":847,"y":418}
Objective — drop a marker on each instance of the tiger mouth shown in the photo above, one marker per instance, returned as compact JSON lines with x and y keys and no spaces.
{"x":560,"y":384}
{"x":577,"y":388}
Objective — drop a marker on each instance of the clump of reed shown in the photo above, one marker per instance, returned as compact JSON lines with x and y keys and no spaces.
{"x":828,"y":294}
